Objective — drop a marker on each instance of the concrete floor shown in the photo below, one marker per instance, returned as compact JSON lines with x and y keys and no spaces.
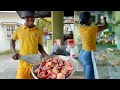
{"x":8,"y":67}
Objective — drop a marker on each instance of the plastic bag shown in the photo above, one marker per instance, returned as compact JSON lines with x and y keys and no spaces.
{"x":58,"y":50}
{"x":54,"y":48}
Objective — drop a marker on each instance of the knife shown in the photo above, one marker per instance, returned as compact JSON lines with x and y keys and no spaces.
{"x":31,"y":59}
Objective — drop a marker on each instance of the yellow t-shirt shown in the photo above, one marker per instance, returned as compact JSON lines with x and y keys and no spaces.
{"x":29,"y":40}
{"x":88,"y":37}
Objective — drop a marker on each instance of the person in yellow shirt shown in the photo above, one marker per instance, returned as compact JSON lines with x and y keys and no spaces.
{"x":30,"y":38}
{"x":88,"y":37}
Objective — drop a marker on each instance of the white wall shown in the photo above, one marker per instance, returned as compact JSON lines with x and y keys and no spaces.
{"x":8,"y":17}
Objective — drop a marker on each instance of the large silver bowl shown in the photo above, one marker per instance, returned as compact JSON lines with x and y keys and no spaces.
{"x":53,"y":56}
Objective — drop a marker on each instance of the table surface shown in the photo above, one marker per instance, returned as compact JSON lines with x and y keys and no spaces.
{"x":107,"y":71}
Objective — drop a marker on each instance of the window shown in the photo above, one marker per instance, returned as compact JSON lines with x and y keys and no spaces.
{"x":9,"y":30}
{"x":93,"y":18}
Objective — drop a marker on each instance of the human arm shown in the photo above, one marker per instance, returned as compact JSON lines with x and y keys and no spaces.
{"x":40,"y":47}
{"x":97,"y":23}
{"x":13,"y":50}
{"x":42,"y":51}
{"x":105,"y":26}
{"x":12,"y":45}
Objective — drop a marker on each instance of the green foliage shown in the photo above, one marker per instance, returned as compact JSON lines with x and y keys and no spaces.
{"x":117,"y":30}
{"x":44,"y":23}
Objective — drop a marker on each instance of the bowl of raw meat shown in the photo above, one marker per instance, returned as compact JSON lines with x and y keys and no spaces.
{"x":54,"y":67}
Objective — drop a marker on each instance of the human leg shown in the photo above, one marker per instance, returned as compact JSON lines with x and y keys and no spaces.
{"x":86,"y":61}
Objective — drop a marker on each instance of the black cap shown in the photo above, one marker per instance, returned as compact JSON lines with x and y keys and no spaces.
{"x":27,"y":13}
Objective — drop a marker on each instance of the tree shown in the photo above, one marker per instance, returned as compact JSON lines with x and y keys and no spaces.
{"x":45,"y":22}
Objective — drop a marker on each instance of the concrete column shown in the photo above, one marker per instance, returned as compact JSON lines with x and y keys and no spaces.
{"x":117,"y":28}
{"x":57,"y":25}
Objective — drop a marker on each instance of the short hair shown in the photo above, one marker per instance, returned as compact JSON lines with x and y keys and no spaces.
{"x":84,"y":17}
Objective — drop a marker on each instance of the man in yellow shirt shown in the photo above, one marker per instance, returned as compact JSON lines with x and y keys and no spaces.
{"x":30,"y":38}
{"x":88,"y":37}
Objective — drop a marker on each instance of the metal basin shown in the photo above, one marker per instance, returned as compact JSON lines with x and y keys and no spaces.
{"x":53,"y":56}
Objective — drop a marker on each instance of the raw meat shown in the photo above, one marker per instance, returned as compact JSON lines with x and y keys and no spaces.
{"x":54,"y":68}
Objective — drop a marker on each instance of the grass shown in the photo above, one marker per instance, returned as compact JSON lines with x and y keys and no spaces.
{"x":7,"y":52}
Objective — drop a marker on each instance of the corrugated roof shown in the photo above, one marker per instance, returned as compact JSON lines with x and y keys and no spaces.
{"x":38,"y":13}
{"x":47,"y":13}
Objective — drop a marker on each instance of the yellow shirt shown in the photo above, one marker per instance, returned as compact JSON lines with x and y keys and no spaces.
{"x":88,"y":37}
{"x":29,"y":40}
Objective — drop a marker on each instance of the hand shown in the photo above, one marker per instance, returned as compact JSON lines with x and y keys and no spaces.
{"x":15,"y":56}
{"x":104,"y":18}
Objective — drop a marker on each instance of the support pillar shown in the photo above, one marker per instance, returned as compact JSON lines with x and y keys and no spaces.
{"x":57,"y":25}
